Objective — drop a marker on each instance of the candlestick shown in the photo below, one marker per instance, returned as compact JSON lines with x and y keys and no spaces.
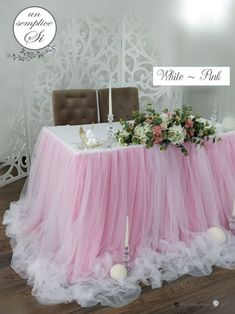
{"x":127,"y":232}
{"x":126,"y":257}
{"x":232,"y":224}
{"x":214,"y":117}
{"x":110,"y":100}
{"x":233,"y":209}
{"x":109,"y":141}
{"x":232,"y":221}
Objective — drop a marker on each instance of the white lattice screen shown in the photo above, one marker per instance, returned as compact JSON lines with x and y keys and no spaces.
{"x":203,"y":100}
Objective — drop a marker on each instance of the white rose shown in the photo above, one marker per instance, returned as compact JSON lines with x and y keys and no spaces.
{"x":176,"y":134}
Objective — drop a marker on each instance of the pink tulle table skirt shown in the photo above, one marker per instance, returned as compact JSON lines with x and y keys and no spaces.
{"x":68,"y":228}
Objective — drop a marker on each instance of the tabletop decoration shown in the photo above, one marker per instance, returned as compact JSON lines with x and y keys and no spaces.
{"x":165,"y":128}
{"x":88,"y":138}
{"x":214,"y":114}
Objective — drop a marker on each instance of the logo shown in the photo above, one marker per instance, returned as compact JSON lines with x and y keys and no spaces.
{"x":34,"y":28}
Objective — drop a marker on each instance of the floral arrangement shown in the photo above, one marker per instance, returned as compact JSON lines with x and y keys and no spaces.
{"x":165,"y":128}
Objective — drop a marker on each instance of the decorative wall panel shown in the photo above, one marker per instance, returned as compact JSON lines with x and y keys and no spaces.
{"x":16,"y":165}
{"x":139,"y":55}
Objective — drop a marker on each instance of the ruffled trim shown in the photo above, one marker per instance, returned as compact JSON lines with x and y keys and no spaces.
{"x":48,"y":277}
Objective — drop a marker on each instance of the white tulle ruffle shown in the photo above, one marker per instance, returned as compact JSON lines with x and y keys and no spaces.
{"x":48,"y":277}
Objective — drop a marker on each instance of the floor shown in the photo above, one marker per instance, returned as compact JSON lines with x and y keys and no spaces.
{"x":185,"y":295}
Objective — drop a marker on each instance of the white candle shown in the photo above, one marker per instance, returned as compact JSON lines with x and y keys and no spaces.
{"x":127,"y":233}
{"x":110,"y":100}
{"x":234,"y":209}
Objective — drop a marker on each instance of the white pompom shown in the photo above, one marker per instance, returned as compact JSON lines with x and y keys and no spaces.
{"x":118,"y":271}
{"x":217,"y":234}
{"x":228,"y":123}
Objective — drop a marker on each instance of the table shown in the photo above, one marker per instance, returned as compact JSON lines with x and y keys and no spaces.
{"x":68,"y":228}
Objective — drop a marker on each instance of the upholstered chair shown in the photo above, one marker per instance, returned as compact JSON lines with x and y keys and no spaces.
{"x":125,"y":100}
{"x":74,"y":106}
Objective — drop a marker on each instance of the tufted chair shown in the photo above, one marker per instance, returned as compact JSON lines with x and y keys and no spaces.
{"x":74,"y":106}
{"x":125,"y":100}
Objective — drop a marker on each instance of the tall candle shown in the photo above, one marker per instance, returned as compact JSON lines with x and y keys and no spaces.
{"x":127,"y":233}
{"x":110,"y":100}
{"x":234,"y":209}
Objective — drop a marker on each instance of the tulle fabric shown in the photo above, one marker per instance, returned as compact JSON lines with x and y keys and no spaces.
{"x":68,"y":228}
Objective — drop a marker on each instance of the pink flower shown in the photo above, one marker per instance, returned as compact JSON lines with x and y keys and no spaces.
{"x":157,"y":130}
{"x":188,"y":123}
{"x":157,"y":134}
{"x":191,"y":133}
{"x":158,"y":140}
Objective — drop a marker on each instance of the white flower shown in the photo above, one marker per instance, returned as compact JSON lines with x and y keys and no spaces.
{"x":201,"y":120}
{"x":207,"y":123}
{"x":165,"y":120}
{"x":215,"y":303}
{"x":176,"y":134}
{"x":124,"y":133}
{"x":204,"y":121}
{"x":141,"y":131}
{"x":207,"y":127}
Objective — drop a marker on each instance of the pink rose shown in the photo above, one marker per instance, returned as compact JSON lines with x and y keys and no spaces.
{"x":188,"y":123}
{"x":158,"y":140}
{"x":157,"y":134}
{"x":157,"y":130}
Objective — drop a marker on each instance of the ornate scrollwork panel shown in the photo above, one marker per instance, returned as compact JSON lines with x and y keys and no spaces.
{"x":14,"y":161}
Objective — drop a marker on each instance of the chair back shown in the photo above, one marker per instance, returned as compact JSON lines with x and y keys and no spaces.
{"x":74,"y":106}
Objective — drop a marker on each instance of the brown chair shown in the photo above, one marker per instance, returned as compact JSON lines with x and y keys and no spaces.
{"x":125,"y":100}
{"x":74,"y":106}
